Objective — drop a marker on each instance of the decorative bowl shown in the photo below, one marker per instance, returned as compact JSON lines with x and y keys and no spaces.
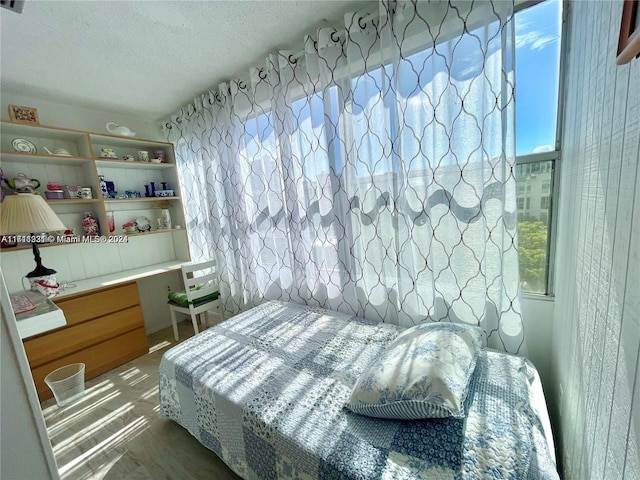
{"x":143,"y":224}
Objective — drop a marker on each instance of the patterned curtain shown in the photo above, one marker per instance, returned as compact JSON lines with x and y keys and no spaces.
{"x":372,"y":173}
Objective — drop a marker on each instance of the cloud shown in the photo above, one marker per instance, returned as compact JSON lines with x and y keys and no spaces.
{"x":543,"y":148}
{"x":538,"y":26}
{"x":536,"y":39}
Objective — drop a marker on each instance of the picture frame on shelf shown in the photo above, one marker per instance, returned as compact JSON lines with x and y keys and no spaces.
{"x":20,"y":114}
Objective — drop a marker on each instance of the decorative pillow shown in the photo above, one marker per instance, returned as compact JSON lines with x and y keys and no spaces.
{"x":180,"y":297}
{"x":423,"y":373}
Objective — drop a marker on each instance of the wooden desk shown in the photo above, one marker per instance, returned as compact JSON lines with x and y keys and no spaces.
{"x":104,"y":326}
{"x":112,"y":279}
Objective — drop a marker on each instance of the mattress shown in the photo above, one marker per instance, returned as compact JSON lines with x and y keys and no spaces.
{"x":266,"y":391}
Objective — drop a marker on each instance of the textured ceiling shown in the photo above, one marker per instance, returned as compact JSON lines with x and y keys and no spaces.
{"x":147,"y":58}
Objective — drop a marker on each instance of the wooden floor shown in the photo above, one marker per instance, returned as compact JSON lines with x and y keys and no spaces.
{"x":115,"y":431}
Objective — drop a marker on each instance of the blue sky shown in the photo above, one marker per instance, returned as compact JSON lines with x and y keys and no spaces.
{"x":537,"y":52}
{"x":537,"y":31}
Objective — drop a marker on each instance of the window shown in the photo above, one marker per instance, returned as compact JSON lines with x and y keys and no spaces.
{"x":544,"y":203}
{"x":538,"y":34}
{"x":537,"y":29}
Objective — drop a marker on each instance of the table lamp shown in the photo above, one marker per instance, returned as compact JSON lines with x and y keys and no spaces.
{"x":26,"y":213}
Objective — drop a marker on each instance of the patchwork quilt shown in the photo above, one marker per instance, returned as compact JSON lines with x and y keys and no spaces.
{"x":266,"y":391}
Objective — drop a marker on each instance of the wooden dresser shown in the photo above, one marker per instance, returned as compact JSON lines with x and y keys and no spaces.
{"x":105,"y":329}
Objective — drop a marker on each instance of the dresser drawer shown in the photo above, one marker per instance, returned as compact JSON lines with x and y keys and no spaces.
{"x":99,"y":358}
{"x":102,"y":302}
{"x":60,"y":343}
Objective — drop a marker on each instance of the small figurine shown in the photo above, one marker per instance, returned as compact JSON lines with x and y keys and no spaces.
{"x":90,"y":224}
{"x":130,"y":227}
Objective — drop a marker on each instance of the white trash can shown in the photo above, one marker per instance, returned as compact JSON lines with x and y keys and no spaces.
{"x":67,"y":383}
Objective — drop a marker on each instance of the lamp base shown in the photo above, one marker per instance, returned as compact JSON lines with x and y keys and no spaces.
{"x":41,"y":271}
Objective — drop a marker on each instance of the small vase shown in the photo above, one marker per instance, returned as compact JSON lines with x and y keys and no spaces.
{"x":111,"y":221}
{"x":103,"y":187}
{"x":165,"y":215}
{"x":90,"y":224}
{"x":153,"y":188}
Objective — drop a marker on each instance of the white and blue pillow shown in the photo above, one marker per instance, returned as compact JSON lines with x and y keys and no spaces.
{"x":423,"y":373}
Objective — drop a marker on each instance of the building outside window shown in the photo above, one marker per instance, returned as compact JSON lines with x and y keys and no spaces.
{"x":538,"y":37}
{"x":545,"y":187}
{"x":544,"y":203}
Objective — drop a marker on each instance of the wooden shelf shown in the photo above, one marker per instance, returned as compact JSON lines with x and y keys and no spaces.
{"x":100,"y":162}
{"x":139,"y":199}
{"x":14,"y":128}
{"x":152,"y":232}
{"x":84,"y":168}
{"x":166,"y":230}
{"x":43,"y":158}
{"x":127,"y":142}
{"x":74,"y":201}
{"x":27,"y":246}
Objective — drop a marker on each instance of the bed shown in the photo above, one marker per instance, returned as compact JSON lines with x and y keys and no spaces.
{"x":266,"y":391}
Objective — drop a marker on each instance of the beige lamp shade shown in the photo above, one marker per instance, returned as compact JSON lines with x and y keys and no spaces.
{"x":26,"y":213}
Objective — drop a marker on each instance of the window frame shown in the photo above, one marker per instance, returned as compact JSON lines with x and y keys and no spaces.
{"x":555,"y":156}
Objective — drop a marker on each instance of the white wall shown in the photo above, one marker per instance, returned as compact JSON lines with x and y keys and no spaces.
{"x":26,"y":450}
{"x":153,"y":297}
{"x":77,"y":262}
{"x":537,"y":314}
{"x":596,"y":327}
{"x":81,"y":261}
{"x":55,"y":114}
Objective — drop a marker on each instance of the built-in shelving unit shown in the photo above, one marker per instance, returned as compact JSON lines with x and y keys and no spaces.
{"x":84,"y":167}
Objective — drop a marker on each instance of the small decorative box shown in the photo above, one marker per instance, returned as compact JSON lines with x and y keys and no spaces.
{"x":164,"y":193}
{"x":54,"y":194}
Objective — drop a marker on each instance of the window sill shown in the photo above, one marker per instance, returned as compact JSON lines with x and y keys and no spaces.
{"x":541,"y":297}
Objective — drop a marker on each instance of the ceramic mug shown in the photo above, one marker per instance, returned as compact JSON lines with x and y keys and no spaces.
{"x":86,"y":193}
{"x":143,"y":156}
{"x":72,"y":191}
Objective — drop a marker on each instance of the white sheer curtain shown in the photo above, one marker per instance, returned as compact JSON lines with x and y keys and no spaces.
{"x":371,"y":174}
